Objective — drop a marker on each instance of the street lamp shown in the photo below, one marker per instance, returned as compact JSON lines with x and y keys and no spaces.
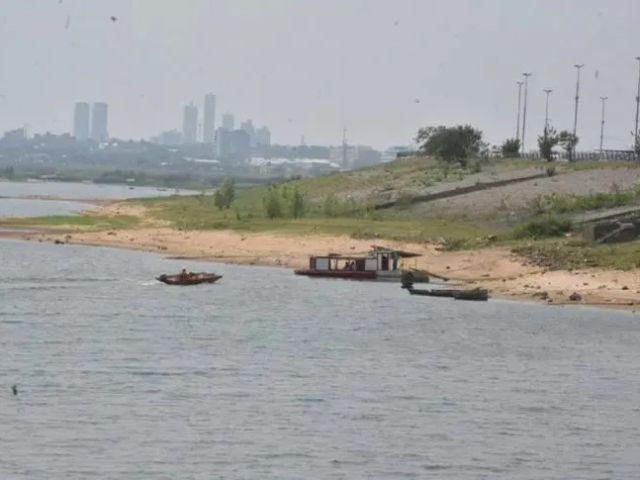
{"x":519,"y":98}
{"x":524,"y":112}
{"x":635,"y":136}
{"x":546,"y":109}
{"x":575,"y":111}
{"x":604,"y":99}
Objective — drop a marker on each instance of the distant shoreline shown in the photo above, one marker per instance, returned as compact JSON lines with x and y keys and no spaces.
{"x":496,"y":268}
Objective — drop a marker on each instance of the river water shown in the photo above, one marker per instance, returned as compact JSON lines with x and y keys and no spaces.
{"x":266,"y":375}
{"x":16,"y":198}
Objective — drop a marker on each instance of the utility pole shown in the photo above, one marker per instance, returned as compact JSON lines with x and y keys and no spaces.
{"x":604,"y":99}
{"x":519,"y":100}
{"x":524,"y":112}
{"x":575,"y":111}
{"x":635,"y":136}
{"x":344,"y":147}
{"x":546,"y":109}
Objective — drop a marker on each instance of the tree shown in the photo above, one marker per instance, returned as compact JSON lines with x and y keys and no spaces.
{"x":297,"y":204}
{"x":272,"y":203}
{"x":223,"y":197}
{"x":511,"y":148}
{"x":450,"y":144}
{"x":568,"y":141}
{"x":331,"y":206}
{"x":546,"y":142}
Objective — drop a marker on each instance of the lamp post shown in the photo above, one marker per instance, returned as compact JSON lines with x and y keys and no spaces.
{"x":635,"y":136}
{"x":575,"y":111}
{"x":546,"y":108}
{"x":524,"y":111}
{"x":519,"y":105}
{"x":604,"y":99}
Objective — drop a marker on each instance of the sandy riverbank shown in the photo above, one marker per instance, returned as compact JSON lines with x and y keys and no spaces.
{"x":497,"y":269}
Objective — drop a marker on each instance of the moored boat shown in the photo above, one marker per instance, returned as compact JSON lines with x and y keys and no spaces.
{"x":478,"y":294}
{"x":189,"y":278}
{"x":379,"y":263}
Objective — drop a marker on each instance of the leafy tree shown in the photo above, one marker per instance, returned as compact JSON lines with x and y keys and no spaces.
{"x":272,"y":202}
{"x":331,"y":206}
{"x":511,"y":148}
{"x":568,"y":141}
{"x":297,"y":204}
{"x":450,"y":144}
{"x":224,"y":196}
{"x":546,"y":142}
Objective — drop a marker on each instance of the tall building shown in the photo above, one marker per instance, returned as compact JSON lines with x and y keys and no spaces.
{"x":209,"y":122}
{"x":99,"y":122}
{"x":228,"y":122}
{"x":81,"y":121}
{"x":190,"y":125}
{"x":251,"y":131}
{"x":263,"y":137}
{"x":232,"y":145}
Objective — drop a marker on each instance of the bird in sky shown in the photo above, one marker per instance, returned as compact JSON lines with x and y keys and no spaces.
{"x":113,"y":19}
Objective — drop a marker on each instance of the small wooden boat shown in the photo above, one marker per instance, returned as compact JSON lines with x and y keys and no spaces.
{"x":478,"y":294}
{"x":189,"y":278}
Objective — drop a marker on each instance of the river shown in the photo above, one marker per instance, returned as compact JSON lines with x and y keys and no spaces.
{"x":266,"y":375}
{"x":17,"y":198}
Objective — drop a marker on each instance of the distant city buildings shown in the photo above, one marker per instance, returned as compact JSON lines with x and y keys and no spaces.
{"x":232,"y":145}
{"x":14,"y":138}
{"x":91,"y":123}
{"x":247,"y":126}
{"x":190,"y":124}
{"x":81,"y":119}
{"x":228,"y":121}
{"x":170,"y":138}
{"x":99,"y":122}
{"x":263,"y":137}
{"x":209,"y":121}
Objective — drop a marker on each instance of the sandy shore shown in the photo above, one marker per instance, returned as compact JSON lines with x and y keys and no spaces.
{"x":503,"y":273}
{"x":497,"y":269}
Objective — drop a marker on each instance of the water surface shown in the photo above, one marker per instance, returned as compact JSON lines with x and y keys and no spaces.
{"x":21,"y":207}
{"x":271,"y":376}
{"x":76,"y":190}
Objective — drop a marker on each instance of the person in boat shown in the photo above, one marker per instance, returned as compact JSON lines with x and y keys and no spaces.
{"x":184,"y":274}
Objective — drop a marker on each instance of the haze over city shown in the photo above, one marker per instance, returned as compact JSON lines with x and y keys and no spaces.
{"x":381,"y":69}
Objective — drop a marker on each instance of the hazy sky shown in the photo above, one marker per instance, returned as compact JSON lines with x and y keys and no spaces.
{"x":382,"y":68}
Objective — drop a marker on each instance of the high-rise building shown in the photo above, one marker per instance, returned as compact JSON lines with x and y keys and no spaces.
{"x":232,"y":145}
{"x":263,"y":137}
{"x":81,"y":121}
{"x":99,"y":122}
{"x":190,"y":124}
{"x":251,"y":131}
{"x":209,"y":122}
{"x":228,"y":122}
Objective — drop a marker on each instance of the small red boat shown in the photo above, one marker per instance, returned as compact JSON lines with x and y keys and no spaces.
{"x":189,"y":278}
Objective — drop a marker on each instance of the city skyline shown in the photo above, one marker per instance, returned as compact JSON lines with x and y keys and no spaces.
{"x":383,"y":93}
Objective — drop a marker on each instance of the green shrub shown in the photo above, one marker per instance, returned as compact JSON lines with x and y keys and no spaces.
{"x":543,"y":228}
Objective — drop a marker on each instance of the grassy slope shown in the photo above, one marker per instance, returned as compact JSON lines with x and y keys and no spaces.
{"x":199,"y":213}
{"x":366,"y":186}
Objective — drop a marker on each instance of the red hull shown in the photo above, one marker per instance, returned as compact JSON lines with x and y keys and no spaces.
{"x":346,"y":274}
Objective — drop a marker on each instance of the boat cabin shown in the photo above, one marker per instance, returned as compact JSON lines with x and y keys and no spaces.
{"x":376,"y":260}
{"x":379,"y":262}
